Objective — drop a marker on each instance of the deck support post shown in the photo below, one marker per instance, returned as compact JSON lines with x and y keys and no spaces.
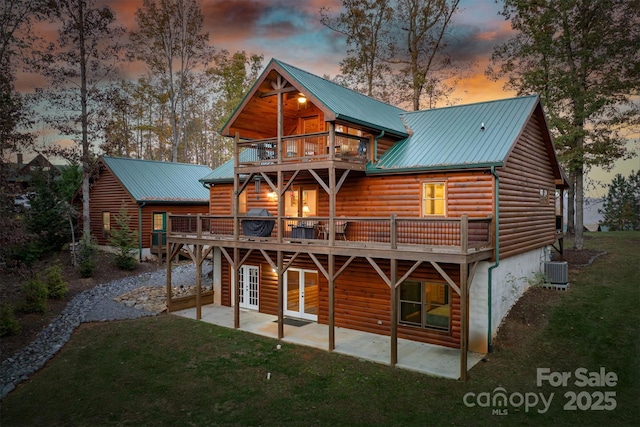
{"x":464,"y":324}
{"x":198,"y":260}
{"x":394,"y":312}
{"x":332,"y":320}
{"x":280,"y":296}
{"x":236,"y":272}
{"x":169,"y":262}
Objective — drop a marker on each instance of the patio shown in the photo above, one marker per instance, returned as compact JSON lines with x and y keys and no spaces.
{"x":425,"y":358}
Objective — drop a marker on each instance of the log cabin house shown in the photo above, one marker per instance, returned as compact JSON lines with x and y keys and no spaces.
{"x":149,"y":191}
{"x":346,"y":211}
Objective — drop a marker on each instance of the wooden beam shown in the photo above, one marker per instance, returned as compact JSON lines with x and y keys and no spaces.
{"x":320,"y":181}
{"x":319,"y":265}
{"x":280,"y":297}
{"x":168,"y":284}
{"x":277,"y":91}
{"x":344,"y":266}
{"x":379,"y":270}
{"x":407,"y":274}
{"x":226,"y":255}
{"x":288,"y":183}
{"x":464,"y":323}
{"x":269,"y":260}
{"x":345,"y":173}
{"x":446,"y":277}
{"x":236,"y":273}
{"x":293,"y":258}
{"x":394,"y":313}
{"x":244,"y":258}
{"x":332,"y":313}
{"x":198,"y":254}
{"x":471,"y":274}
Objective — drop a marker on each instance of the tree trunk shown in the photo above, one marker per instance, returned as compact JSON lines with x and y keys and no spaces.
{"x":571,"y":211}
{"x":579,"y":239}
{"x":86,"y":167}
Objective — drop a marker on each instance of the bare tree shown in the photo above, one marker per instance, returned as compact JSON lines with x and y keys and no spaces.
{"x":169,"y":39}
{"x":367,"y":27}
{"x":396,"y":46}
{"x":83,"y":57}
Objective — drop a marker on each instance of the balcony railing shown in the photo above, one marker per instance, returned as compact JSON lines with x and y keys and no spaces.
{"x":299,"y":148}
{"x":459,"y":235}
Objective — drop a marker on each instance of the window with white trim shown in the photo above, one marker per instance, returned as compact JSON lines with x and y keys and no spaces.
{"x":434,"y":199}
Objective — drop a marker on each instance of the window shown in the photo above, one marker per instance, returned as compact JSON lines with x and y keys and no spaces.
{"x":158,"y":221}
{"x":433,"y":198}
{"x":242,"y":203}
{"x":106,"y":224}
{"x":301,"y":202}
{"x":424,"y":304}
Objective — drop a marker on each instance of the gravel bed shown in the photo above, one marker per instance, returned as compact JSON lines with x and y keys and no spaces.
{"x":92,"y":305}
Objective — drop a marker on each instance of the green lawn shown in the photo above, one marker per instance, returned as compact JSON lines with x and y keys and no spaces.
{"x":173,"y":371}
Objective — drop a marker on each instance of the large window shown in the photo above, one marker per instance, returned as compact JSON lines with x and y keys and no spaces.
{"x":434,"y":198}
{"x":106,"y":224}
{"x":424,"y":304}
{"x":301,"y":202}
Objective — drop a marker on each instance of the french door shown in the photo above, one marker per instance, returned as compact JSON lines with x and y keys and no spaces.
{"x":248,"y":281}
{"x":301,"y":294}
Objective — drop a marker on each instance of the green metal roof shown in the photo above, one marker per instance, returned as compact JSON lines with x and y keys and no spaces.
{"x":453,"y":137}
{"x":224,"y":172}
{"x":153,"y":181}
{"x":345,"y":103}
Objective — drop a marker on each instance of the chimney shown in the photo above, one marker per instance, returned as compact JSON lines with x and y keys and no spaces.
{"x":19,"y":160}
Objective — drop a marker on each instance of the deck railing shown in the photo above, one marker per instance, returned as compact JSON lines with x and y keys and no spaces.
{"x":458,"y":234}
{"x":308,"y":147}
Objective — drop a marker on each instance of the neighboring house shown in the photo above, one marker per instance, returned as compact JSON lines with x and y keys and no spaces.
{"x":148,"y":190}
{"x":20,"y":174}
{"x":419,"y":225}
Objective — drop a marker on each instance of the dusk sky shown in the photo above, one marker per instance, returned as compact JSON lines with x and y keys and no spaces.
{"x":290,"y":30}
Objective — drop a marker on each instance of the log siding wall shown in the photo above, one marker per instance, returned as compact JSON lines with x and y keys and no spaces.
{"x":526,"y":222}
{"x":108,"y":195}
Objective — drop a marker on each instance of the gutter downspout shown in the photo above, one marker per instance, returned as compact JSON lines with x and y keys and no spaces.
{"x":497,"y":255}
{"x":375,"y":146}
{"x":140,"y":206}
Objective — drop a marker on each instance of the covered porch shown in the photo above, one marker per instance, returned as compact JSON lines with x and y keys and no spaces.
{"x":425,"y":358}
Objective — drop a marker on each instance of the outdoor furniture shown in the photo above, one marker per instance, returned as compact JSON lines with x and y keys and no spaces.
{"x":341,"y":230}
{"x":303,"y":230}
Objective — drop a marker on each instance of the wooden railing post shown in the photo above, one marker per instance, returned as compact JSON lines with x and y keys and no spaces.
{"x":464,"y":234}
{"x":394,"y":232}
{"x":199,"y":226}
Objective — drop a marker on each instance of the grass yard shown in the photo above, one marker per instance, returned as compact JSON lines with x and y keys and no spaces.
{"x":173,"y":371}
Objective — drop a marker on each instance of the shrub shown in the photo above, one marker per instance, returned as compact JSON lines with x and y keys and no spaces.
{"x":8,"y":323}
{"x":86,"y":254}
{"x":34,"y":294}
{"x":57,"y":288}
{"x":124,"y":239}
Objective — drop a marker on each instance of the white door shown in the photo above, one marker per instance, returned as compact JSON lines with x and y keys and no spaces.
{"x":249,"y":285}
{"x":301,"y":294}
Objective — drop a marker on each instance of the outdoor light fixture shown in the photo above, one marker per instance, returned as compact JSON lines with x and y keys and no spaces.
{"x":256,"y":181}
{"x":301,"y":98}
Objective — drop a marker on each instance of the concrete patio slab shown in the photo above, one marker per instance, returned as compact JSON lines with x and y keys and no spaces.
{"x":420,"y":357}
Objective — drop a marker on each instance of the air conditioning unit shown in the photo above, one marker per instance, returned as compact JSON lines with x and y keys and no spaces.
{"x":557,"y":272}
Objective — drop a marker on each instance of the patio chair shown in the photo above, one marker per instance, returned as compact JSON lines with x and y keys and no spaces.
{"x":341,"y":229}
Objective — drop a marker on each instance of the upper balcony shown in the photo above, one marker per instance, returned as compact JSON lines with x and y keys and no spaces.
{"x":296,"y":151}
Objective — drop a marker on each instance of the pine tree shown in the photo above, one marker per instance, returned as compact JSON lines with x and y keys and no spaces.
{"x":621,"y":209}
{"x":123,"y":238}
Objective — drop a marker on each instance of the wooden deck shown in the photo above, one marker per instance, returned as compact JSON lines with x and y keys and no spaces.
{"x":453,"y":240}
